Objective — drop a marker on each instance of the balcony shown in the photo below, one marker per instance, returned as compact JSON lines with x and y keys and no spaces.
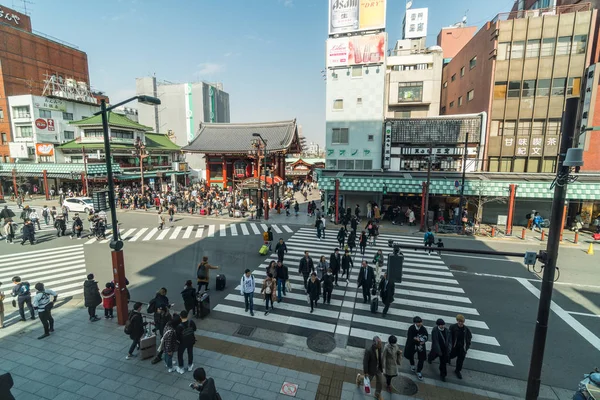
{"x":100,"y":139}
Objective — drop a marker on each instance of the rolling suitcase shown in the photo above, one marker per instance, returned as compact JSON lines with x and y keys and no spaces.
{"x":148,"y":343}
{"x":221,"y":281}
{"x":374,"y":305}
{"x":263,"y":250}
{"x":203,"y":305}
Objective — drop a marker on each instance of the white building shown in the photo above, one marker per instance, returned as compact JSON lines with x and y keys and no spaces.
{"x":39,"y":123}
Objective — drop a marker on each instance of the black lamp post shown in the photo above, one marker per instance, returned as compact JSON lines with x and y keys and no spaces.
{"x":140,"y":152}
{"x":264,"y":194}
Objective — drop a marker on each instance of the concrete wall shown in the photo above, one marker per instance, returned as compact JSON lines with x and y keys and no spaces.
{"x":453,"y":39}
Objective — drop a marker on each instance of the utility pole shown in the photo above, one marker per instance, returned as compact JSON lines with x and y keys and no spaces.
{"x":550,"y":256}
{"x":426,"y":208}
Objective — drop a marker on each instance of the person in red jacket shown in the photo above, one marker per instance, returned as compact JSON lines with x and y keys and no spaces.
{"x":108,"y":300}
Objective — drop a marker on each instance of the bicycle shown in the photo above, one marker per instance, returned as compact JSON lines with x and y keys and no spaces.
{"x":545,"y":223}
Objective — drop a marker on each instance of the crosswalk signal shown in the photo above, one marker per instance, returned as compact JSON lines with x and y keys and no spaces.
{"x":384,"y":188}
{"x":100,"y":201}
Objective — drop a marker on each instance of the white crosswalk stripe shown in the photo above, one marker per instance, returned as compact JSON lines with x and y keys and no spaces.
{"x":233,"y":230}
{"x":244,"y":229}
{"x":150,"y":234}
{"x":175,"y":232}
{"x":200,"y":231}
{"x":211,"y":231}
{"x":138,"y":234}
{"x":188,"y":232}
{"x":164,"y":233}
{"x":223,"y":230}
{"x":254,"y":228}
{"x":276,"y":228}
{"x":428,"y":289}
{"x":287,"y":229}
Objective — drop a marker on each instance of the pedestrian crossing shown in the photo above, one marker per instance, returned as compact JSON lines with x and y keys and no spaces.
{"x":191,"y":232}
{"x":428,"y":289}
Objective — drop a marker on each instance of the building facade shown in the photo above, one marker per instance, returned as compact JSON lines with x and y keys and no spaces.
{"x":453,"y":38}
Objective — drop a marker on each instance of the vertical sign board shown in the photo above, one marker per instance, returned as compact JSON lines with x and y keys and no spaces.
{"x":189,"y":114}
{"x":586,"y":106}
{"x":387,"y":146}
{"x":213,"y":108}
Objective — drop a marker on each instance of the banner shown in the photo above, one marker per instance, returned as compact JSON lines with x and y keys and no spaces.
{"x":356,"y":50}
{"x":44,"y":149}
{"x":347,"y":16}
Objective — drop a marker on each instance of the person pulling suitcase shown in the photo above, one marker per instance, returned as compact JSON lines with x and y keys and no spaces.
{"x":134,"y":327}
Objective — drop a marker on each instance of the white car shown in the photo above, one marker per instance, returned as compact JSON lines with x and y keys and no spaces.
{"x":79,"y":204}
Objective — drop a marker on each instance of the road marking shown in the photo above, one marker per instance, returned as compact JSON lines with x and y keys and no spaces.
{"x":244,"y":229}
{"x":304,"y":309}
{"x":276,"y":229}
{"x":264,"y":226}
{"x":584,"y":314}
{"x":64,"y":249}
{"x":446,"y":297}
{"x":481,"y":258}
{"x":92,"y":240}
{"x":222,"y":230}
{"x":254,"y":228}
{"x":188,"y":232}
{"x":200,"y":231}
{"x":127,"y":233}
{"x":163,"y":234}
{"x":175,"y":232}
{"x":287,"y":228}
{"x":565,"y":316}
{"x":211,"y":231}
{"x":138,"y":235}
{"x":233,"y":230}
{"x":150,"y":234}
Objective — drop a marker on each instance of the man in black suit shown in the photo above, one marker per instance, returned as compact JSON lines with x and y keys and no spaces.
{"x":306,"y":267}
{"x":386,"y":290}
{"x":366,"y":278}
{"x":335,"y":263}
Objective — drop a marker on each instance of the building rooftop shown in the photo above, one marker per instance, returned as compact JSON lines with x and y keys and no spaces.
{"x":114,"y":119}
{"x":154,"y":141}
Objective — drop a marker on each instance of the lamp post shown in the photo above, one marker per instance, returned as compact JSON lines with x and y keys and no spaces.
{"x":140,"y":152}
{"x":118,"y":262}
{"x":265,"y":193}
{"x":87,"y":189}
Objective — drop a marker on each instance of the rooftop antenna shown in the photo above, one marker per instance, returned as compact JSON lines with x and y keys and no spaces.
{"x":24,"y":7}
{"x":464,"y":19}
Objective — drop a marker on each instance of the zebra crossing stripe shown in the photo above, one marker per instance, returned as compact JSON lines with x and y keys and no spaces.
{"x":287,"y":229}
{"x":244,"y":229}
{"x":200,"y":231}
{"x":188,"y":232}
{"x":175,"y":232}
{"x":264,"y":226}
{"x":92,"y":240}
{"x":127,"y":233}
{"x":276,"y":229}
{"x":222,"y":230}
{"x":149,"y":235}
{"x":211,"y":231}
{"x":254,"y":228}
{"x":138,"y":234}
{"x":162,"y":235}
{"x":233,"y":230}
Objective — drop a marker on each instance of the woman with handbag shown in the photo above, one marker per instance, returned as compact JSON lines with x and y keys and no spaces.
{"x":392,"y":358}
{"x":321,"y":268}
{"x":268,"y":292}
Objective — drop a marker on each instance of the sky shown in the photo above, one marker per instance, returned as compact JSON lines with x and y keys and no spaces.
{"x":267,"y":53}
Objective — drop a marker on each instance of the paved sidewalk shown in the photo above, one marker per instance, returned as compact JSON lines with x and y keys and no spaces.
{"x":87,"y":360}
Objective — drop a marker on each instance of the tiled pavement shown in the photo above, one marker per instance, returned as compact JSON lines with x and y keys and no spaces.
{"x":87,"y":360}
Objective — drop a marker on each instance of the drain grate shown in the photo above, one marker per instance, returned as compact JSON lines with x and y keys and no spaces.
{"x":246,"y":331}
{"x":321,"y":342}
{"x":405,"y":386}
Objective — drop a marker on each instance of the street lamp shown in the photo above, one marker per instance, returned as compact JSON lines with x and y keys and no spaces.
{"x":263,"y":194}
{"x":140,"y":152}
{"x":118,"y":262}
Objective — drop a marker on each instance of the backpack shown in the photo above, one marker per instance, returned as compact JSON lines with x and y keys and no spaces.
{"x":202,"y":271}
{"x":127,"y":328}
{"x":528,"y":216}
{"x":45,"y":213}
{"x":188,"y":332}
{"x":151,"y":306}
{"x":429,"y":238}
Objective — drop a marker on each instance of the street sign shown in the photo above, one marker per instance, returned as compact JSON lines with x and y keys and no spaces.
{"x":502,"y":220}
{"x":100,"y":200}
{"x":530,"y":258}
{"x":289,"y":389}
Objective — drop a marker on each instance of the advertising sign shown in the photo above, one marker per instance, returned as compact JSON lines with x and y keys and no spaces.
{"x":18,"y":150}
{"x":44,"y":149}
{"x":50,"y":124}
{"x":387,"y":147}
{"x":415,"y":23}
{"x":41,"y":123}
{"x":49,"y":104}
{"x":347,"y":16}
{"x":356,"y":50}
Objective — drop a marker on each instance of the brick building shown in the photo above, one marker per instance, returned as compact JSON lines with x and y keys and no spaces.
{"x":454,"y":38}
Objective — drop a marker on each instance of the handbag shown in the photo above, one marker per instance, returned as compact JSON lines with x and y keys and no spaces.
{"x":367,"y":385}
{"x":288,"y":286}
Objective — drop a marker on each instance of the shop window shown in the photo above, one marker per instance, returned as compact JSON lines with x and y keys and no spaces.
{"x":508,"y":128}
{"x":514,"y":89}
{"x":67,"y":116}
{"x":45,"y":114}
{"x":345,"y":164}
{"x":529,"y":88}
{"x":339,"y":136}
{"x":563,"y":46}
{"x":553,"y":127}
{"x":533,"y":48}
{"x":69,"y":135}
{"x":505,"y":164}
{"x":331,"y":164}
{"x":558,"y":86}
{"x":496,"y":128}
{"x":547,"y":47}
{"x":574,"y":87}
{"x":543,"y":87}
{"x":500,"y":90}
{"x":519,"y":165}
{"x":518,"y":50}
{"x":21,"y":112}
{"x":410,"y":91}
{"x":24,"y":131}
{"x":93,"y":133}
{"x":119,"y":133}
{"x":537,"y":128}
{"x":493,"y":164}
{"x":579,"y":44}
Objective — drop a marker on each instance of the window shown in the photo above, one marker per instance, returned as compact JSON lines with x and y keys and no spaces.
{"x":558,"y":86}
{"x":363,"y":164}
{"x":401,"y":114}
{"x":508,"y":128}
{"x":93,"y":133}
{"x":473,"y":62}
{"x":470,"y":95}
{"x":563,"y":46}
{"x":1,"y":113}
{"x":500,"y":90}
{"x":553,"y":127}
{"x":460,"y":101}
{"x":495,"y":127}
{"x":4,"y":140}
{"x":119,"y":133}
{"x":24,"y":131}
{"x":45,"y":114}
{"x":331,"y":164}
{"x":345,"y":164}
{"x":543,"y":87}
{"x":549,"y":164}
{"x":504,"y":51}
{"x":451,"y":104}
{"x":68,"y":116}
{"x":357,"y":71}
{"x":359,"y":101}
{"x":371,"y":138}
{"x":547,"y":47}
{"x":410,"y":91}
{"x":21,"y":112}
{"x":579,"y":44}
{"x":537,"y":128}
{"x":517,"y":50}
{"x":462,"y":71}
{"x":524,"y":128}
{"x":69,"y":135}
{"x":529,"y":88}
{"x":514,"y":89}
{"x":533,"y":48}
{"x":453,"y":78}
{"x":339,"y":136}
{"x":445,"y":85}
{"x":443,"y":110}
{"x":574,"y":87}
{"x":338,"y":104}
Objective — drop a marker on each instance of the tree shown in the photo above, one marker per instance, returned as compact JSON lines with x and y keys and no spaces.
{"x":482,"y":197}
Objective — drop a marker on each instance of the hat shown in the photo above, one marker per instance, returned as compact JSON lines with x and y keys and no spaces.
{"x":460,"y":318}
{"x":440,"y":322}
{"x":417,"y":319}
{"x":90,"y":277}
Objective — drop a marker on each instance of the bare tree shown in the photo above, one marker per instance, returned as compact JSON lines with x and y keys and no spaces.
{"x":482,"y":197}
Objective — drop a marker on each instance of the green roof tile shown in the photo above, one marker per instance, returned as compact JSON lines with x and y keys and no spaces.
{"x":114,"y":119}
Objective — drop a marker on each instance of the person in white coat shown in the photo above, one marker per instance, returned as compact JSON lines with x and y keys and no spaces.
{"x":247,"y":287}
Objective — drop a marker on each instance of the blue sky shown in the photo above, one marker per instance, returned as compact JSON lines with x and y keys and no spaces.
{"x":268,"y":53}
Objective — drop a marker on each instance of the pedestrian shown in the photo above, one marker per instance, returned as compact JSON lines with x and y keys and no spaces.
{"x":162,"y":317}
{"x":357,"y":212}
{"x":43,"y":301}
{"x":328,"y":280}
{"x":161,"y":220}
{"x":440,"y":343}
{"x":28,"y":233}
{"x":352,"y":241}
{"x":386,"y":291}
{"x":247,"y":288}
{"x":341,"y":237}
{"x":296,"y":207}
{"x":322,"y":267}
{"x":313,"y":290}
{"x":306,"y":267}
{"x":23,"y":294}
{"x":206,"y":386}
{"x":460,"y":342}
{"x":362,"y":242}
{"x":65,"y":212}
{"x":91,"y":295}
{"x":416,"y":337}
{"x":203,"y":273}
{"x":410,"y":214}
{"x":347,"y":264}
{"x":335,"y":264}
{"x":428,"y":239}
{"x":537,"y":222}
{"x":373,"y":365}
{"x":77,"y":227}
{"x":2,"y":297}
{"x":268,"y":292}
{"x":171,"y":212}
{"x":60,"y":225}
{"x":280,"y":249}
{"x":392,"y":358}
{"x":46,"y":214}
{"x":187,"y":339}
{"x":169,"y":342}
{"x":378,"y":262}
{"x":134,"y":327}
{"x":354,"y":224}
{"x":366,"y":280}
{"x":319,"y":227}
{"x":9,"y":230}
{"x":268,"y":236}
{"x":281,"y":275}
{"x":25,"y":213}
{"x":188,"y":294}
{"x":108,"y":300}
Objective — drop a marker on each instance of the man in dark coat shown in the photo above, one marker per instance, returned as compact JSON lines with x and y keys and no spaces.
{"x":372,"y":365}
{"x":306,"y":267}
{"x":440,"y":344}
{"x":313,"y":290}
{"x":91,"y":295}
{"x":460,"y":342}
{"x":335,"y":263}
{"x":416,"y":337}
{"x":366,"y":278}
{"x":188,"y":294}
{"x":346,"y":264}
{"x":280,"y":248}
{"x":28,"y":233}
{"x":6,"y":383}
{"x":327,"y":286}
{"x":386,"y":290}
{"x":206,"y":386}
{"x":136,"y":328}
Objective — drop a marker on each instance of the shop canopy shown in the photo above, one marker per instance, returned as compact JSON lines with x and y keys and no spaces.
{"x":253,"y":183}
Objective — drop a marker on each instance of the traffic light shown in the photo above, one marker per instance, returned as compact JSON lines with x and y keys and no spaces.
{"x":384,"y":188}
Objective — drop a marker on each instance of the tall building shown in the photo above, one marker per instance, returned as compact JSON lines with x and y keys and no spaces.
{"x":453,"y":38}
{"x":27,"y":62}
{"x":184,"y":107}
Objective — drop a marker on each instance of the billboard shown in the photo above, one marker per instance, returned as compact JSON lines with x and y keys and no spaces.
{"x":44,"y":149}
{"x":47,"y":103}
{"x":346,"y":16}
{"x":18,"y":150}
{"x":356,"y":50}
{"x":415,"y":23}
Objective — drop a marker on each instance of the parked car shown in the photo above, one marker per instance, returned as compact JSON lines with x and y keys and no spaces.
{"x":79,"y":204}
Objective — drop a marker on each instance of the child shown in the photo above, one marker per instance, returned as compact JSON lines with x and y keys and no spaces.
{"x":161,"y":221}
{"x":440,"y":245}
{"x":108,"y":300}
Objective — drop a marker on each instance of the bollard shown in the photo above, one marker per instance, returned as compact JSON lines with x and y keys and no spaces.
{"x":561,"y":237}
{"x":437,"y":228}
{"x":543,"y":235}
{"x":523,"y":234}
{"x":576,"y":240}
{"x":493,"y":231}
{"x":464,"y":229}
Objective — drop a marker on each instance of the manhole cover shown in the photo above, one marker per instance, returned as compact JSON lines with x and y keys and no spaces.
{"x":321,"y":342}
{"x":245,"y":331}
{"x":458,"y":267}
{"x":404,"y":386}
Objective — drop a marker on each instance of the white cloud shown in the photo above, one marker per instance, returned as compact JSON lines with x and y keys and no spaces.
{"x":287,"y":3}
{"x":208,"y":69}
